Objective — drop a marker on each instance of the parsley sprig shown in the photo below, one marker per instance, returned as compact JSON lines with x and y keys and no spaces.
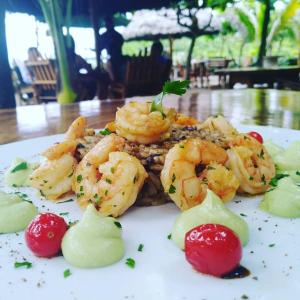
{"x":276,"y":178}
{"x":25,"y":264}
{"x":21,"y":166}
{"x":176,"y":87}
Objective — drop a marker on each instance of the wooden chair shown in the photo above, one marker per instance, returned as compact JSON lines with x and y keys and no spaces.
{"x":144,"y":76}
{"x":214,"y":64}
{"x":43,"y":76}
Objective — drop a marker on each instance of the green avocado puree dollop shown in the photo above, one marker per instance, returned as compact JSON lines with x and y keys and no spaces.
{"x":289,"y":159}
{"x":211,"y":210}
{"x":283,"y":200}
{"x":19,"y":172}
{"x":95,"y":241}
{"x":15,"y":214}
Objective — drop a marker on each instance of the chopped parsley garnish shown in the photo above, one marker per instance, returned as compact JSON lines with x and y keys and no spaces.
{"x":271,"y":245}
{"x":66,"y":201}
{"x":63,"y":214}
{"x":251,"y":178}
{"x":106,"y":192}
{"x":79,"y":146}
{"x":140,"y":247}
{"x":210,"y":168}
{"x":263,"y":178}
{"x":70,"y":175}
{"x":173,"y":177}
{"x":112,"y":170}
{"x":22,"y":166}
{"x":205,"y":180}
{"x":170,"y":87}
{"x":14,"y":185}
{"x":79,"y":178}
{"x":181,"y":146}
{"x":81,"y":188}
{"x":118,"y":224}
{"x":130,"y":262}
{"x":25,"y":264}
{"x":172,"y":189}
{"x":276,"y":178}
{"x":169,"y":236}
{"x":261,"y":154}
{"x":67,"y":273}
{"x":108,"y":180}
{"x":105,"y":131}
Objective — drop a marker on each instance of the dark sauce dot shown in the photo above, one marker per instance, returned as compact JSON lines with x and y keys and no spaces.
{"x":238,"y":272}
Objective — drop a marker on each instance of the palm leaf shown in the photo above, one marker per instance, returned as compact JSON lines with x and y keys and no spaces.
{"x":289,"y":12}
{"x":246,"y":21}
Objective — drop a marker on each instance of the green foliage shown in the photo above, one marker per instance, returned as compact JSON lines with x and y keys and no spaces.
{"x":246,"y":21}
{"x":226,"y":28}
{"x":282,"y":21}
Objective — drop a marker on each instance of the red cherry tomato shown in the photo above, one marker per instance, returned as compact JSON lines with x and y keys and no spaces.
{"x":257,"y":136}
{"x":44,"y":234}
{"x":213,"y":249}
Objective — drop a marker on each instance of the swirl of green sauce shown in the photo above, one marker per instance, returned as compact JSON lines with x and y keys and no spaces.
{"x":15,"y":214}
{"x":211,"y":210}
{"x":284,"y":200}
{"x":95,"y":241}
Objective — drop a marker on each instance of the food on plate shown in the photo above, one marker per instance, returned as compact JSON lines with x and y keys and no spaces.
{"x":251,"y":164}
{"x":283,"y":200}
{"x":257,"y":136}
{"x":211,"y":210}
{"x":109,"y":178}
{"x":289,"y":159}
{"x":272,"y":148}
{"x":181,"y":181}
{"x":54,"y":176}
{"x":15,"y":213}
{"x":219,"y":124}
{"x":19,"y":172}
{"x":137,"y":123}
{"x":213,"y":249}
{"x":172,"y":157}
{"x":95,"y":241}
{"x":44,"y":234}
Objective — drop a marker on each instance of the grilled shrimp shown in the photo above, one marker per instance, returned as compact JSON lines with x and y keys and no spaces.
{"x":180,"y":179}
{"x":53,"y":176}
{"x":251,"y":164}
{"x":219,"y":123}
{"x":181,"y":119}
{"x":136,"y":123}
{"x":108,"y":178}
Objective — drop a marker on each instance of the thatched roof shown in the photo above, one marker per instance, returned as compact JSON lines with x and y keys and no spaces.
{"x":151,"y":24}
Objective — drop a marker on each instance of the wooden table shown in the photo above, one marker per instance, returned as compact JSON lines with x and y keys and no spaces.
{"x":251,"y":76}
{"x":250,"y":106}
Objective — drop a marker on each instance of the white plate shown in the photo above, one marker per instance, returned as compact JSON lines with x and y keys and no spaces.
{"x":161,"y":270}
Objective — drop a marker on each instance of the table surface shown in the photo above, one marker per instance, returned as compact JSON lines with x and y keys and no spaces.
{"x":247,"y":106}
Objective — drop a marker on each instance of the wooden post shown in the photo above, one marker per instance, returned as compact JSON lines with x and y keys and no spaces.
{"x":95,"y":23}
{"x":171,"y":47}
{"x":7,"y":93}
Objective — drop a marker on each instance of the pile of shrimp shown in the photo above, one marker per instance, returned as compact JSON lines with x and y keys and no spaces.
{"x":111,"y":179}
